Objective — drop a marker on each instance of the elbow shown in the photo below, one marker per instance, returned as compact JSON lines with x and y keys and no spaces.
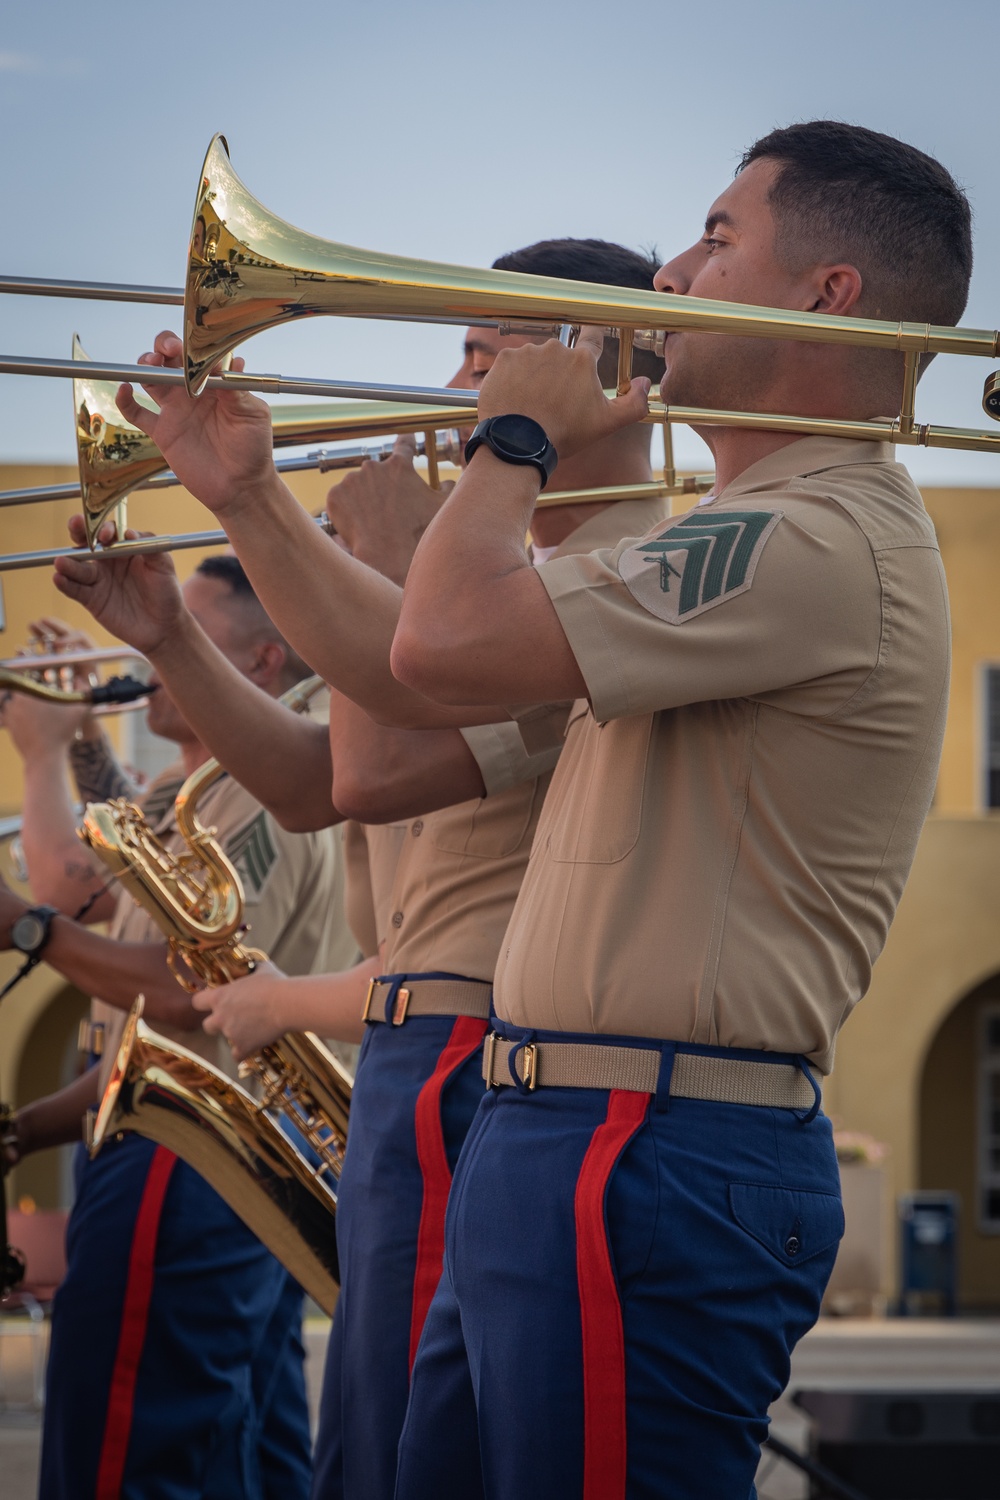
{"x":297,"y":817}
{"x":431,"y":667}
{"x":363,"y":794}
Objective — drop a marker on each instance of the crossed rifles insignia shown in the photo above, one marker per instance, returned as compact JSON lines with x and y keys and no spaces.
{"x":697,"y":562}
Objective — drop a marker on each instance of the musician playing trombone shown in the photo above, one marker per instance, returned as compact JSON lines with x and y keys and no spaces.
{"x":449,"y":818}
{"x":176,"y":1357}
{"x":647,"y":1222}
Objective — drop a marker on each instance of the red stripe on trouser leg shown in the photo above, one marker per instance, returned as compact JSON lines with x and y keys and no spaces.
{"x":604,"y":1446}
{"x":466,"y":1037}
{"x":135,"y":1315}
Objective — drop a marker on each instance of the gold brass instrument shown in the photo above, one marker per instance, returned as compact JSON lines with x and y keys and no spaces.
{"x":163,"y":1091}
{"x":170,"y":1095}
{"x":249,"y":270}
{"x":114,"y":457}
{"x":44,"y":674}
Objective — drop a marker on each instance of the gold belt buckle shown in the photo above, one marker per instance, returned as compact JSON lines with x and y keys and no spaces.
{"x":488,"y":1055}
{"x":529,"y":1076}
{"x":400,"y":1006}
{"x":366,"y":1009}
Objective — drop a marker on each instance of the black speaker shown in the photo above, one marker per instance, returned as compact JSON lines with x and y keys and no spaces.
{"x":909,"y":1445}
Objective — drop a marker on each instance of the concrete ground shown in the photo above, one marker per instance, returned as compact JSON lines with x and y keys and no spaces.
{"x":841,"y":1354}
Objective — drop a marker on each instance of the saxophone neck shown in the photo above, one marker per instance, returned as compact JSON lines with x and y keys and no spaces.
{"x":190,"y":794}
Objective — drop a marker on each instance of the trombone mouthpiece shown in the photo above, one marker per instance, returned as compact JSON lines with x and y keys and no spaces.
{"x":121,"y":690}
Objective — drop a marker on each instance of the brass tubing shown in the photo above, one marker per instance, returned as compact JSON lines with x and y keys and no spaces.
{"x":696,"y":484}
{"x":911,"y":369}
{"x":233,"y":380}
{"x":42,"y":661}
{"x":430,"y":450}
{"x":878,"y":431}
{"x":624,"y":361}
{"x":100,"y":291}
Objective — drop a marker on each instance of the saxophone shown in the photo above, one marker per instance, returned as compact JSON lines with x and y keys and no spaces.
{"x":170,"y":1095}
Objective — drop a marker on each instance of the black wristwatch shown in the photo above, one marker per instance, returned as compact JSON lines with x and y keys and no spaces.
{"x":30,"y":932}
{"x":516,"y":440}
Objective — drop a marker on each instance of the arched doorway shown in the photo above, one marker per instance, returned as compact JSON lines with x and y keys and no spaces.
{"x":49,"y":1061}
{"x":960,"y":1135}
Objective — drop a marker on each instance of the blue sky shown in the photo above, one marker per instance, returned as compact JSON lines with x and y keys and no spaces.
{"x":449,"y":131}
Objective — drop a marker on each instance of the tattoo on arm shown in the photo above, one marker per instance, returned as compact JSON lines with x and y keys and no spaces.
{"x":97,"y":773}
{"x":88,"y":875}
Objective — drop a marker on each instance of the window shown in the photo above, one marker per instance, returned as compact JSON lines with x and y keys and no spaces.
{"x":992,"y":746}
{"x":989,"y":1119}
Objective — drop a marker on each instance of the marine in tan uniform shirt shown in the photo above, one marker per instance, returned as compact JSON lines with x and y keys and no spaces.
{"x":442,"y":887}
{"x":719,"y":857}
{"x":446,"y":882}
{"x":734,"y":817}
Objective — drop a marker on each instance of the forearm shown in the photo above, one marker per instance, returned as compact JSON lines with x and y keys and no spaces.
{"x":476,"y":623}
{"x":57,"y":1119}
{"x":59,"y":869}
{"x":96,"y":770}
{"x":338,"y":614}
{"x":117,"y":972}
{"x":329,"y":1004}
{"x":382,"y":775}
{"x":280,"y":757}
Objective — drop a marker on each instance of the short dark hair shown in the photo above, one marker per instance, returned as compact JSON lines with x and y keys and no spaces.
{"x":848,"y":193}
{"x":601,"y":261}
{"x":230,"y":571}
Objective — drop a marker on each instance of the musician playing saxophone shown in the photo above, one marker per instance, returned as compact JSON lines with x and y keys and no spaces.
{"x":176,"y":1352}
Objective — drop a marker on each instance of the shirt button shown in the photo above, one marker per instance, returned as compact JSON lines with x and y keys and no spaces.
{"x":418,"y":828}
{"x":397,"y":919}
{"x":793,"y":1245}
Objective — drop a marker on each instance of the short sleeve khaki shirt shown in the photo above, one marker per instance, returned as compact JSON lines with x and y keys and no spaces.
{"x":735,"y":813}
{"x":294,"y":888}
{"x":456,"y":872}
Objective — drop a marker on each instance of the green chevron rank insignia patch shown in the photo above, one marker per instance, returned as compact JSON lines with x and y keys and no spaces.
{"x":697,"y":562}
{"x":252,"y":851}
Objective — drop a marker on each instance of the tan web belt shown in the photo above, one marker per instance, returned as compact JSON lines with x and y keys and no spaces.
{"x":580,"y":1065}
{"x":428,"y":997}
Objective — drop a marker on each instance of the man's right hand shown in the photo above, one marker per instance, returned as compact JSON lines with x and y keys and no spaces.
{"x":137,"y":599}
{"x":219,"y":444}
{"x":383,"y":509}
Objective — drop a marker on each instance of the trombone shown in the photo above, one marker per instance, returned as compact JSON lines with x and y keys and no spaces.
{"x":114,"y":457}
{"x":249,"y":271}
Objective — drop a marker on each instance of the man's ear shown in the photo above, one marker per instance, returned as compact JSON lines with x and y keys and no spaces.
{"x":269,"y":662}
{"x":837,"y":289}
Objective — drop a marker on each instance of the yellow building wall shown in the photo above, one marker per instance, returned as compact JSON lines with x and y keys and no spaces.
{"x":968,"y":527}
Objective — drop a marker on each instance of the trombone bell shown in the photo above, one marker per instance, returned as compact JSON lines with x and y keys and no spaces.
{"x":113,"y":456}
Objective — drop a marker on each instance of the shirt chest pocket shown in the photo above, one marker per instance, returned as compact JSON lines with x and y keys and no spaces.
{"x":600,"y":822}
{"x":491,"y":827}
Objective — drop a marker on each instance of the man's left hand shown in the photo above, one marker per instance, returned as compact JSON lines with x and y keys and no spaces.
{"x":560,"y":389}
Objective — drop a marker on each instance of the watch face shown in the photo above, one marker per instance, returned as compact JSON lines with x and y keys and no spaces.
{"x":518,"y":435}
{"x":27,"y":932}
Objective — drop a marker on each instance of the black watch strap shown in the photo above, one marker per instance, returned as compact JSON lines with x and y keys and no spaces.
{"x":515,"y":439}
{"x":43,"y":916}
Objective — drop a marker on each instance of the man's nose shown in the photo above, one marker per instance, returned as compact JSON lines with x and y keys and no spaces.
{"x":672,"y":277}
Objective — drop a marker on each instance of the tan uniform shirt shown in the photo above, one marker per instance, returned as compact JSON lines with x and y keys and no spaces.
{"x":734,"y":816}
{"x":444,"y":884}
{"x":294,"y":888}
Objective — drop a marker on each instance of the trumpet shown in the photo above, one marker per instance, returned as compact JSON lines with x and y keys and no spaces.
{"x":249,"y":271}
{"x":33,"y":674}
